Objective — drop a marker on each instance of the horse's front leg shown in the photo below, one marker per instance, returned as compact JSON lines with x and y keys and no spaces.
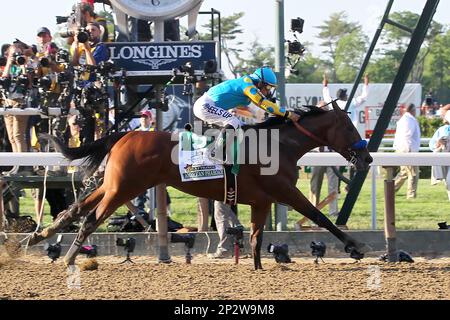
{"x":258,"y":219}
{"x":300,"y":203}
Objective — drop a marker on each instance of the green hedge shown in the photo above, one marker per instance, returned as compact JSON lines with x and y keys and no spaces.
{"x":428,"y":126}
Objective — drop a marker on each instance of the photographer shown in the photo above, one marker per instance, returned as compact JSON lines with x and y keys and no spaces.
{"x":15,"y":72}
{"x":92,"y":51}
{"x":89,"y":53}
{"x":87,"y":10}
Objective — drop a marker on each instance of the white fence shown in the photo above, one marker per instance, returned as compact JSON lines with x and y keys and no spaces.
{"x":309,"y":159}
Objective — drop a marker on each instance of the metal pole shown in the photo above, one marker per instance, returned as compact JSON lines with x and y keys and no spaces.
{"x":398,"y":84}
{"x":161,"y":196}
{"x":374,"y":197}
{"x":2,"y":208}
{"x":280,"y":210}
{"x":369,"y":54}
{"x":389,"y":216}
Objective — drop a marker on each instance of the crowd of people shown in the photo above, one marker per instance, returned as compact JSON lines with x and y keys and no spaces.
{"x":35,"y":78}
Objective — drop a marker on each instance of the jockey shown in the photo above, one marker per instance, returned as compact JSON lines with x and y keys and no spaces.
{"x":213,"y":107}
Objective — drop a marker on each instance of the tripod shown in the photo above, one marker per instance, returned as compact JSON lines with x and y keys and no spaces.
{"x":128,"y":259}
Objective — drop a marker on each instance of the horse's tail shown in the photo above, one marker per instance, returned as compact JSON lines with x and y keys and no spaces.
{"x":94,"y":152}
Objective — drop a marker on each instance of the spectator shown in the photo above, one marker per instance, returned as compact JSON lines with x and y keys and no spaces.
{"x":407,"y":139}
{"x":91,"y":52}
{"x":440,"y":143}
{"x":342,"y":97}
{"x":428,"y":108}
{"x":87,"y":10}
{"x":17,"y":125}
{"x":146,"y":121}
{"x":224,"y":217}
{"x":146,"y":124}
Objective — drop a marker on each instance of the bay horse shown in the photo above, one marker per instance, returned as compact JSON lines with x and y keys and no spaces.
{"x":141,"y":160}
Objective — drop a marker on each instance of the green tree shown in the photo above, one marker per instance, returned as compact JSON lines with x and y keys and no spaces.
{"x":350,"y":51}
{"x":230,"y":30}
{"x":437,"y":65}
{"x":259,"y":56}
{"x":341,"y":38}
{"x":395,"y":41}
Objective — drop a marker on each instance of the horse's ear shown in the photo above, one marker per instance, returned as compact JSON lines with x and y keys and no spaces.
{"x":335,"y":106}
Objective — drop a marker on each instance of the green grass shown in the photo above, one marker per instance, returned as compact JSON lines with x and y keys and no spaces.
{"x":430,"y":207}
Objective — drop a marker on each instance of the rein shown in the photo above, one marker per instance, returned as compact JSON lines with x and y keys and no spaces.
{"x":351,"y":150}
{"x":309,"y":134}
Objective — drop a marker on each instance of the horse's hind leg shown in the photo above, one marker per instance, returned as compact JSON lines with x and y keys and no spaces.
{"x":66,"y":217}
{"x":106,"y":207}
{"x":258,"y":219}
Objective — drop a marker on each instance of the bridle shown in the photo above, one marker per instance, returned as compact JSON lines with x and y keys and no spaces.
{"x":351,"y":150}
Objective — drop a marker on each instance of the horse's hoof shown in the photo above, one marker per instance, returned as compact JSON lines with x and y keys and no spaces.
{"x":360,"y":247}
{"x":354,"y":253}
{"x":68,"y":264}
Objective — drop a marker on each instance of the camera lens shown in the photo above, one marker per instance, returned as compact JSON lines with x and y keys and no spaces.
{"x":45,"y":83}
{"x":19,"y":59}
{"x":66,"y":34}
{"x":83,"y":36}
{"x":44,"y":62}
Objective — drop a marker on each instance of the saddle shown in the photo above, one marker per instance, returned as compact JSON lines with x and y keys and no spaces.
{"x":195,"y":163}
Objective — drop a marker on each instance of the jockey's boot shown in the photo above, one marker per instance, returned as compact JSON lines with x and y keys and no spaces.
{"x":223,"y":143}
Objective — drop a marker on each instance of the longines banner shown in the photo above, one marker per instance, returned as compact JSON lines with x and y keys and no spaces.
{"x":159,"y":58}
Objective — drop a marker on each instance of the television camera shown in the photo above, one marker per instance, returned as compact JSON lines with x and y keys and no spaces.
{"x":54,"y":249}
{"x":318,"y":250}
{"x":280,"y":252}
{"x":295,"y":48}
{"x":188,"y":240}
{"x":74,"y":24}
{"x":238,"y":233}
{"x":128,"y":245}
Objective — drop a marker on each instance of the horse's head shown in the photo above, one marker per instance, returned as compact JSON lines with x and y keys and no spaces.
{"x":346,"y":140}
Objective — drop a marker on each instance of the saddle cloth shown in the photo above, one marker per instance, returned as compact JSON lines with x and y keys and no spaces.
{"x":195,"y":164}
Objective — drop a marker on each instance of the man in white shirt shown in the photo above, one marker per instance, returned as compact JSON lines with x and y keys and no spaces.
{"x":407,"y":139}
{"x":342,"y":97}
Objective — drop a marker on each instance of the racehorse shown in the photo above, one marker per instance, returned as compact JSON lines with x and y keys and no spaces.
{"x":140,"y":160}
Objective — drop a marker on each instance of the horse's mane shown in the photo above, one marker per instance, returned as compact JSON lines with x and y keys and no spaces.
{"x":303,"y":111}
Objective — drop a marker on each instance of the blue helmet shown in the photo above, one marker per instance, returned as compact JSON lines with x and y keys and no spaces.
{"x":265,"y":75}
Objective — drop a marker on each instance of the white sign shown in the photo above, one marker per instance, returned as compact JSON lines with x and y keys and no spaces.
{"x":298,"y":94}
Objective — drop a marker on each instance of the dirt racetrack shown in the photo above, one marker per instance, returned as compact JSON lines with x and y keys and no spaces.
{"x":31,"y":277}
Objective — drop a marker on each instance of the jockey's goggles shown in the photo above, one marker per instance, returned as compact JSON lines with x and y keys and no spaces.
{"x":270,"y":90}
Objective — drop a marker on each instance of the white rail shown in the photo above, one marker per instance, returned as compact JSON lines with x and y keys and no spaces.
{"x":309,"y":159}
